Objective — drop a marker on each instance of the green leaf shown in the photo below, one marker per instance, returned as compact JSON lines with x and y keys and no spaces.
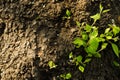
{"x":101,"y":7}
{"x":93,"y":46}
{"x":70,"y":55}
{"x":68,"y":13}
{"x":81,"y":68}
{"x":109,"y":34}
{"x":102,"y":35}
{"x":79,"y":42}
{"x":93,"y":34}
{"x":88,"y":28}
{"x":79,"y":58}
{"x":94,"y":41}
{"x":89,"y":55}
{"x":96,"y":17}
{"x":108,"y":37}
{"x":84,"y":36}
{"x":115,"y":39}
{"x":51,"y":64}
{"x":115,"y":49}
{"x":87,"y":60}
{"x":107,"y":30}
{"x":104,"y":45}
{"x":68,"y":76}
{"x":116,"y":30}
{"x":100,"y":39}
{"x":116,"y":63}
{"x":98,"y":55}
{"x":105,"y":11}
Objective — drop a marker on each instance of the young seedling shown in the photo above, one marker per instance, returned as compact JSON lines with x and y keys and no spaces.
{"x":67,"y":15}
{"x":97,"y":16}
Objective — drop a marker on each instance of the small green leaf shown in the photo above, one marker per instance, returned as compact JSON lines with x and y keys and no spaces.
{"x":107,"y":30}
{"x":88,"y":28}
{"x":84,"y":36}
{"x":93,"y":46}
{"x":68,"y":76}
{"x":102,"y":35}
{"x":98,"y":55}
{"x":81,"y":68}
{"x":101,"y":7}
{"x":116,"y":30}
{"x":115,"y":49}
{"x":79,"y":42}
{"x":100,"y":39}
{"x":51,"y":64}
{"x":87,"y":60}
{"x":89,"y":55}
{"x":93,"y":34}
{"x":109,"y":34}
{"x":105,"y":11}
{"x":116,"y":63}
{"x":96,"y":17}
{"x":70,"y":55}
{"x":79,"y":58}
{"x":68,"y":13}
{"x":104,"y":45}
{"x":115,"y":39}
{"x":108,"y":37}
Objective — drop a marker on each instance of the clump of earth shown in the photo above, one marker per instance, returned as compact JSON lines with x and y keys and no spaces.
{"x":34,"y":32}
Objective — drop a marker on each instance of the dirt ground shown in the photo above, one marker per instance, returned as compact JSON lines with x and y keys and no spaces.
{"x":33,"y":32}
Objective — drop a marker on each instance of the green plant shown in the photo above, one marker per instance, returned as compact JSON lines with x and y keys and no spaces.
{"x":51,"y":64}
{"x":98,"y":15}
{"x":66,"y":76}
{"x":79,"y":62}
{"x":94,"y":42}
{"x":67,"y":15}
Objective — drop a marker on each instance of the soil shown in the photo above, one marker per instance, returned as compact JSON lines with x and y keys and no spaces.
{"x":33,"y":32}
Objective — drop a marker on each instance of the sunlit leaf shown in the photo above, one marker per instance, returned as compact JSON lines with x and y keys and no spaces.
{"x":98,"y":55}
{"x":101,"y":7}
{"x":87,"y":60}
{"x":116,"y":38}
{"x":105,"y":11}
{"x":107,"y":30}
{"x":79,"y":42}
{"x":116,"y":30}
{"x":115,"y":49}
{"x":93,"y":46}
{"x":68,"y":13}
{"x":108,"y":37}
{"x":81,"y":68}
{"x":96,"y":17}
{"x":71,"y":55}
{"x":84,"y":36}
{"x":51,"y":64}
{"x":102,"y":35}
{"x":104,"y":45}
{"x":93,"y":34}
{"x":88,"y":28}
{"x":100,"y":39}
{"x":68,"y":76}
{"x":79,"y":58}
